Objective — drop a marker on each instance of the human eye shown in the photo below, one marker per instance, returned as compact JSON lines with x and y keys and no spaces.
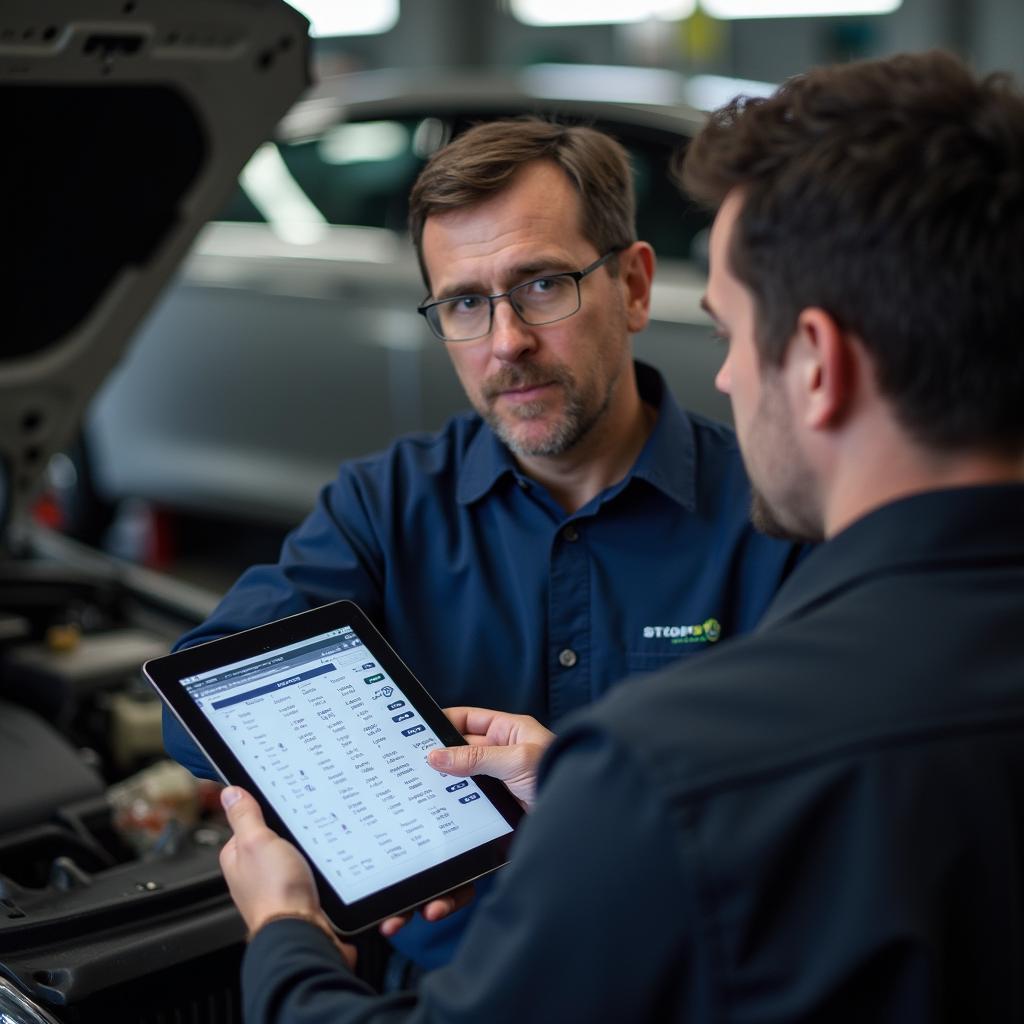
{"x":543,"y":287}
{"x":719,"y":337}
{"x":465,"y":305}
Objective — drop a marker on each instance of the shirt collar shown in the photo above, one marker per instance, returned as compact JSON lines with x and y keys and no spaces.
{"x":487,"y":461}
{"x":931,"y":529}
{"x":667,"y":460}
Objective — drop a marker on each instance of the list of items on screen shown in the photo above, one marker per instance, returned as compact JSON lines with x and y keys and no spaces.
{"x":340,"y":753}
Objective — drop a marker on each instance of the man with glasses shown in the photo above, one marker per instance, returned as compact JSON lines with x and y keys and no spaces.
{"x":545,"y":300}
{"x":579,"y":527}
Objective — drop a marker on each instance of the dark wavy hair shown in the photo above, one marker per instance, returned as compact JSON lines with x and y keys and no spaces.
{"x":891,"y":194}
{"x":482,"y":161}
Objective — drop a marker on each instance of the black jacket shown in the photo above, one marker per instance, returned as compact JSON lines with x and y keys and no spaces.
{"x":820,"y":822}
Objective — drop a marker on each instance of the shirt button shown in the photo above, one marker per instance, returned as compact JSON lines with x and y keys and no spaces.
{"x":567,"y":658}
{"x":523,"y":485}
{"x":571,"y":534}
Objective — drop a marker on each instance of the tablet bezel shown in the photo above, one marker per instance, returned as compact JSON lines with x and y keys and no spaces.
{"x":166,"y":673}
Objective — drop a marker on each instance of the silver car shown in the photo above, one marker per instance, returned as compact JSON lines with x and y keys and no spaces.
{"x":290,"y":339}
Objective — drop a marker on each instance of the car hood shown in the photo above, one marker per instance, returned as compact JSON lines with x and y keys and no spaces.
{"x":126,"y":125}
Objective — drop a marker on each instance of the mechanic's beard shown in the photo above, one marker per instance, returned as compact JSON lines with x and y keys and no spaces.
{"x":575,"y":422}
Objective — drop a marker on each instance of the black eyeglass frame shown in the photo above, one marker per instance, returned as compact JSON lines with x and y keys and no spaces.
{"x":576,"y":275}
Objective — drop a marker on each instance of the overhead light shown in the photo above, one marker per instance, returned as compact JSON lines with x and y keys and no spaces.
{"x":331,"y":18}
{"x":731,"y":9}
{"x":599,"y":12}
{"x":709,"y":92}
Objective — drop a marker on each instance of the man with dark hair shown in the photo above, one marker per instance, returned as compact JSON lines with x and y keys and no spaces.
{"x":819,"y":822}
{"x":518,"y":557}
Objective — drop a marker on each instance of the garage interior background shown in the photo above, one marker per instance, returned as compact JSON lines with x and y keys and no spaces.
{"x":202,"y":494}
{"x":288,"y":341}
{"x":487,"y":33}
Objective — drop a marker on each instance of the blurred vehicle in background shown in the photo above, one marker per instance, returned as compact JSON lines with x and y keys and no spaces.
{"x":291,"y":341}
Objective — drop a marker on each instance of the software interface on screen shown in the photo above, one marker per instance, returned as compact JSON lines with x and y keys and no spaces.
{"x":340,"y":754}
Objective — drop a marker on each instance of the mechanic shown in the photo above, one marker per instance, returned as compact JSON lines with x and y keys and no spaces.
{"x":819,"y":822}
{"x":579,"y":527}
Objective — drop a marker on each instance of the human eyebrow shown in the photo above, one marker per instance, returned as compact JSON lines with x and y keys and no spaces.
{"x":516,"y":275}
{"x":719,"y":332}
{"x":527,"y":271}
{"x":706,"y":306}
{"x":471,"y":288}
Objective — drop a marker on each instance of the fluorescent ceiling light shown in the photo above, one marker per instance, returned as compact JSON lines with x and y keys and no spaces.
{"x":333,"y":18}
{"x":709,"y":92}
{"x":796,"y":8}
{"x":599,"y":12}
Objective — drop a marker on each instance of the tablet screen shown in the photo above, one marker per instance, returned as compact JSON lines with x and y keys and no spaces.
{"x":338,"y":749}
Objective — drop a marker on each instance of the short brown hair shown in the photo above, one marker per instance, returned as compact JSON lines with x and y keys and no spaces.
{"x":483,"y":160}
{"x":891,"y":194}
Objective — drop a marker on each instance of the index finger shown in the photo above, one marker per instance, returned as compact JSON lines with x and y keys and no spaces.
{"x":472,"y":721}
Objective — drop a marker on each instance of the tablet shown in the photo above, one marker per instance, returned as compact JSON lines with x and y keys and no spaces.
{"x":323,"y":723}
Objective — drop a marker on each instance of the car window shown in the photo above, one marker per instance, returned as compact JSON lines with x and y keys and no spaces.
{"x":360,"y":173}
{"x":674,"y":225}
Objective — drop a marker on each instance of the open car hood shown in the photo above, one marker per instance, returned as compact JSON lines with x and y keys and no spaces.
{"x":126,"y":125}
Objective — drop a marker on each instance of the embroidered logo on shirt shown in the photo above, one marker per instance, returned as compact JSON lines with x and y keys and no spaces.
{"x":706,"y":632}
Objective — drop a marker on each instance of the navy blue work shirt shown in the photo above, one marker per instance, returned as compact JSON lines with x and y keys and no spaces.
{"x":495,"y":596}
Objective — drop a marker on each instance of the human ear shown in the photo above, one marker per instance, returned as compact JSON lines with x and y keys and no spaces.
{"x":819,"y":366}
{"x":636,"y":272}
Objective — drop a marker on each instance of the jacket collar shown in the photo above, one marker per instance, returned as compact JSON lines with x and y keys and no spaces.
{"x":936,"y":528}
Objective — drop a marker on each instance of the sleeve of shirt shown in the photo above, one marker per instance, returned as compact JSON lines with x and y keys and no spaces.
{"x":335,"y":553}
{"x":593,"y":919}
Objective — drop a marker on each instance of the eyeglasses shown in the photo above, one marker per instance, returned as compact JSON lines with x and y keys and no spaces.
{"x":544,"y":300}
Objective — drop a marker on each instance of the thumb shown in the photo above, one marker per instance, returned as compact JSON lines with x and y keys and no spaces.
{"x":244,"y":814}
{"x":499,"y":762}
{"x":455,"y":760}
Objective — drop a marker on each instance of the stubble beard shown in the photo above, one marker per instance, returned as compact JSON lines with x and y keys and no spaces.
{"x":804,"y":529}
{"x":576,"y":421}
{"x":794,"y":516}
{"x":765,"y":519}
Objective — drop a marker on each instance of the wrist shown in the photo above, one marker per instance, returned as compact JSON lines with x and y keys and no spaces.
{"x":317,"y":919}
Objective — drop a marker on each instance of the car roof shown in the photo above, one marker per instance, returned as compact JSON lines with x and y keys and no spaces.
{"x":644,"y":97}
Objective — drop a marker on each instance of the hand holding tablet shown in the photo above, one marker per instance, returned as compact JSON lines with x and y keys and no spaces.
{"x":319,"y":719}
{"x":267,"y":876}
{"x":505,"y":746}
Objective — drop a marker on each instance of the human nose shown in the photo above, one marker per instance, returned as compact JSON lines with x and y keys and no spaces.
{"x":510,"y":337}
{"x":723,"y":379}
